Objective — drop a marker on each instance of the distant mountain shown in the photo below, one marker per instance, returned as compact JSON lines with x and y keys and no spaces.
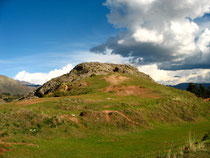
{"x":29,"y":84}
{"x":183,"y":86}
{"x":8,"y":85}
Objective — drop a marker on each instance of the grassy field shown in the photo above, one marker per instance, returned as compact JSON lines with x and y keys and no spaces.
{"x":107,"y":116}
{"x":144,"y":143}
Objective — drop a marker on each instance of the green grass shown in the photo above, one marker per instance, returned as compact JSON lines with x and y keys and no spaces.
{"x":144,"y":143}
{"x":136,"y":126}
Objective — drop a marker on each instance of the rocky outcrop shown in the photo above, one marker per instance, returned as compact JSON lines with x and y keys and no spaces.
{"x":85,"y":70}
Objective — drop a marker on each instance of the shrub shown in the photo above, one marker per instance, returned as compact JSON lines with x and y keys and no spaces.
{"x":59,"y":94}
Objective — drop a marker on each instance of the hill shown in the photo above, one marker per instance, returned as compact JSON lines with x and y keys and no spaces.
{"x":104,"y":110}
{"x":29,"y":84}
{"x":71,"y":83}
{"x":8,"y":85}
{"x":183,"y":86}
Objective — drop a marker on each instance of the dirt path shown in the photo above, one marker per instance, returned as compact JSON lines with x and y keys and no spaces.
{"x":9,"y":144}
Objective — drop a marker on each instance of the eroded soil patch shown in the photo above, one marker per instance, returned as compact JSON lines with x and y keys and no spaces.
{"x":70,"y":117}
{"x":116,"y":79}
{"x":32,"y":101}
{"x":7,"y":146}
{"x":132,"y":90}
{"x":109,"y":112}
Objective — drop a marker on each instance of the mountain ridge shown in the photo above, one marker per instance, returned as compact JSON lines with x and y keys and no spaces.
{"x":183,"y":86}
{"x":28,"y":84}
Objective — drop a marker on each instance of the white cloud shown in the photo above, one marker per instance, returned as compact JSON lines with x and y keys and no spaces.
{"x":40,"y":78}
{"x":106,"y":57}
{"x":161,"y":76}
{"x":78,"y":57}
{"x":145,"y":35}
{"x":204,"y":41}
{"x":162,"y":32}
{"x":175,"y":77}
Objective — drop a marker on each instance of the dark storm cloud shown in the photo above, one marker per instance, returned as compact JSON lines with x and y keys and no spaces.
{"x":158,"y":32}
{"x":150,"y":52}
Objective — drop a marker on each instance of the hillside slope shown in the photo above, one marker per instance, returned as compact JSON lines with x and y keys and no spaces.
{"x":102,"y":110}
{"x":129,"y":92}
{"x":13,"y":87}
{"x":66,"y":83}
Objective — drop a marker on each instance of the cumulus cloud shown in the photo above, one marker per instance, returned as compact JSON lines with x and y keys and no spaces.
{"x":40,"y":78}
{"x":168,"y":77}
{"x":105,"y":57}
{"x":160,"y":32}
{"x":75,"y":58}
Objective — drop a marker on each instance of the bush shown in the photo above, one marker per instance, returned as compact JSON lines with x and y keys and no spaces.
{"x":59,"y":94}
{"x":200,"y":91}
{"x":80,"y":91}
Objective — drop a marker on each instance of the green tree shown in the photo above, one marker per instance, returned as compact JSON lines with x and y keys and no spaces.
{"x":208,"y":92}
{"x":203,"y":92}
{"x":200,"y":91}
{"x":193,"y":88}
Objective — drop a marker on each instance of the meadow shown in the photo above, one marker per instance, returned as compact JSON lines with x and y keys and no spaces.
{"x":110,"y":116}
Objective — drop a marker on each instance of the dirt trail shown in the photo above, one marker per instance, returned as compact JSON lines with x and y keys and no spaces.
{"x":32,"y":101}
{"x":9,"y":144}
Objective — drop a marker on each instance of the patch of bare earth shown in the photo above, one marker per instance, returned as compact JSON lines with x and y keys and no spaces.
{"x":31,"y":101}
{"x":6,"y":146}
{"x":3,"y":149}
{"x":26,"y":102}
{"x":109,"y":112}
{"x":107,"y":106}
{"x":116,"y":79}
{"x":70,"y":117}
{"x":139,"y":91}
{"x":14,"y":143}
{"x":132,"y":90}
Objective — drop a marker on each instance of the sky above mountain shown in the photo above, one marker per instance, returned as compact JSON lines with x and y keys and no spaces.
{"x":169,"y":40}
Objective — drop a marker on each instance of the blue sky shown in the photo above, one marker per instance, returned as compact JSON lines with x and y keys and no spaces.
{"x":46,"y":38}
{"x":32,"y":32}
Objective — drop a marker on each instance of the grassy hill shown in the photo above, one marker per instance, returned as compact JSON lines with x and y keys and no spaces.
{"x":105,"y":110}
{"x":8,"y":85}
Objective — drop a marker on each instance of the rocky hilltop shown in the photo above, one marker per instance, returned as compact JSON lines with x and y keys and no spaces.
{"x":83,"y":71}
